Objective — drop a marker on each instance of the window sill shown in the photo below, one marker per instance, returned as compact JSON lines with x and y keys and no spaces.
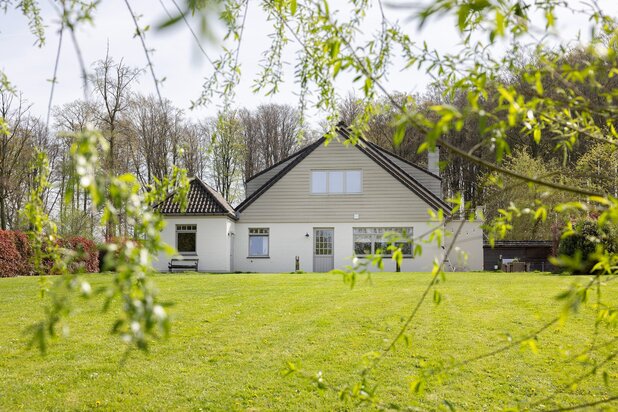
{"x":337,"y":194}
{"x":258,"y":257}
{"x":384,"y":256}
{"x":187,"y":253}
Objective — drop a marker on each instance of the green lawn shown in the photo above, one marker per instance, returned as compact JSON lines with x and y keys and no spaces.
{"x":232,"y":335}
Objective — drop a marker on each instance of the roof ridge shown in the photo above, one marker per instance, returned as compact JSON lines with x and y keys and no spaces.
{"x":375,"y":155}
{"x":218,"y":196}
{"x":346,"y":131}
{"x":202,"y":200}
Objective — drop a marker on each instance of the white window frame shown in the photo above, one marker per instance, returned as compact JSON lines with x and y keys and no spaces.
{"x":345,"y":184}
{"x":376,"y":237}
{"x":259,"y":232}
{"x":186,"y":228}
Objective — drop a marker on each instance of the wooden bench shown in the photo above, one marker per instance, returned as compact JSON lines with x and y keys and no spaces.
{"x":183,"y":264}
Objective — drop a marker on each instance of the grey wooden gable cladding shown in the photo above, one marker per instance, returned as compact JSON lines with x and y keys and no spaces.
{"x":388,"y":195}
{"x":423,"y":176}
{"x":201,"y":200}
{"x":264,"y":176}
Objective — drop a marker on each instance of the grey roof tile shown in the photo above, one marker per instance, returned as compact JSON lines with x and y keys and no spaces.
{"x":201,"y":200}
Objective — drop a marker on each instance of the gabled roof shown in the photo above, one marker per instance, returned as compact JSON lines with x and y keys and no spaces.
{"x":280,"y":162}
{"x":373,"y":152}
{"x":297,"y":158}
{"x":202,"y":200}
{"x":422,"y":169}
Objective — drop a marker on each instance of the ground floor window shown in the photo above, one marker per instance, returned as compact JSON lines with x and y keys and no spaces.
{"x":371,"y":240}
{"x":186,"y":238}
{"x":258,"y":242}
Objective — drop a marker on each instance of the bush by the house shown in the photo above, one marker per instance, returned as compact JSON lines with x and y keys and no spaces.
{"x":108,"y":257}
{"x":16,"y":254}
{"x":583,"y":243}
{"x":85,"y":254}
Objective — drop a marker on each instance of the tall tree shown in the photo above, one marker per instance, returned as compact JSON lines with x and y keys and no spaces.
{"x":272,"y":133}
{"x":15,"y":143}
{"x":70,"y":118}
{"x":155,"y":131}
{"x":194,"y":145}
{"x":112,"y":83}
{"x":226,"y":154}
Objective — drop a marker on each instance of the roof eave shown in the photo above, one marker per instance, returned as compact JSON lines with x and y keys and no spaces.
{"x":267,"y":185}
{"x":201,"y":214}
{"x":422,"y":169}
{"x":418,"y":189}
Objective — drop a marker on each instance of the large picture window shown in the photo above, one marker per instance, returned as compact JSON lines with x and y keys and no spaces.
{"x":371,"y":240}
{"x":185,"y":238}
{"x":258,"y":242}
{"x":336,"y":181}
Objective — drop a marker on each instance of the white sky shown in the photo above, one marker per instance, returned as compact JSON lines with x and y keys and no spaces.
{"x":178,"y":59}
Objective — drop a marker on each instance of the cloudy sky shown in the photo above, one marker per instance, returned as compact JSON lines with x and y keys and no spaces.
{"x":177,"y":58}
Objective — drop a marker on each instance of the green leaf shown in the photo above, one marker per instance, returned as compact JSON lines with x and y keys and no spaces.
{"x":462,"y":16}
{"x":400,"y":133}
{"x":417,"y":386}
{"x":538,"y":84}
{"x":170,"y":22}
{"x":437,"y":297}
{"x":499,"y":23}
{"x":536,"y":134}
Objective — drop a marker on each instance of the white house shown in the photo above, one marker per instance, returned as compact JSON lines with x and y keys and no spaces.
{"x":322,"y":206}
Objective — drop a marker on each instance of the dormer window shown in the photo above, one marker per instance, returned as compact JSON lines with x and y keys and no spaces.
{"x":336,"y":181}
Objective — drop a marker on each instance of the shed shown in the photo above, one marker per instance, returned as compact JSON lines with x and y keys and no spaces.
{"x":535,"y":252}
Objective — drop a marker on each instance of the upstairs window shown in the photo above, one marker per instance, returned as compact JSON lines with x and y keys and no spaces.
{"x":258,"y":242}
{"x":336,"y":181}
{"x":185,"y":238}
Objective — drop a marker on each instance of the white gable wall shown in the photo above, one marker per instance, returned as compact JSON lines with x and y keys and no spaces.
{"x":288,"y":240}
{"x":213,"y":241}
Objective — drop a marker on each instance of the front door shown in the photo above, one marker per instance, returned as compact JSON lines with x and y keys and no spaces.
{"x":323,"y":249}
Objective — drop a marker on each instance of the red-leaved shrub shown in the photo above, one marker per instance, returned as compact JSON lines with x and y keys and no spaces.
{"x":86,"y":254}
{"x":16,"y":255}
{"x":10,"y":259}
{"x":22,"y":243}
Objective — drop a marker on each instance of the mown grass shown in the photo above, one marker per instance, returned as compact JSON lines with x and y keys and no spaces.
{"x":233,"y":334}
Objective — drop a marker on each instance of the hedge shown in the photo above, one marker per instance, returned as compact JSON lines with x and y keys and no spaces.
{"x":16,"y":254}
{"x":86,"y":254}
{"x":107,"y":258}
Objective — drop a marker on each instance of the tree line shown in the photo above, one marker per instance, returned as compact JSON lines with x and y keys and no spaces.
{"x":146,"y":137}
{"x":563,"y":156}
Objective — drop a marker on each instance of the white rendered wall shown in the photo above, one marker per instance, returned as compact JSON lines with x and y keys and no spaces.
{"x":287,"y":240}
{"x":467,"y":252}
{"x":213,"y":243}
